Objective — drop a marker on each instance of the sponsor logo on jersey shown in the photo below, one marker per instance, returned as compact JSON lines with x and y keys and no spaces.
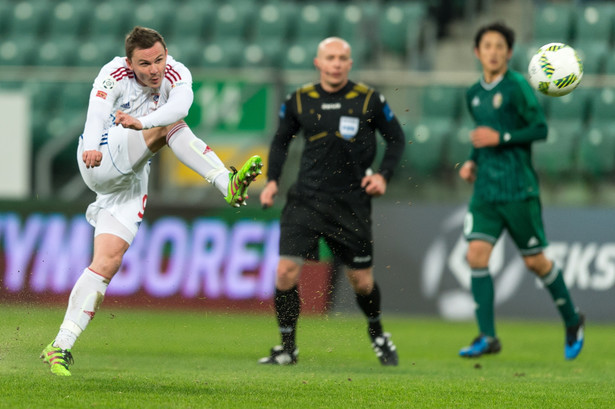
{"x":101,"y":94}
{"x":497,"y":100}
{"x":282,"y":112}
{"x":156,"y":97}
{"x":349,"y":126}
{"x":109,"y":83}
{"x":331,"y":106}
{"x":126,"y":105}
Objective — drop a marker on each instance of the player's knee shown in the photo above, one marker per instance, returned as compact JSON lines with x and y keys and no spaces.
{"x":107,"y":265}
{"x":478,"y":254}
{"x":538,"y":264}
{"x":364,"y":287}
{"x":287,"y":274}
{"x":362,"y":281}
{"x":477,"y":259}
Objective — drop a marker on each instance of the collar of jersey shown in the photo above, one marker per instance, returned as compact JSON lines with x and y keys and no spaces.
{"x":491,"y":85}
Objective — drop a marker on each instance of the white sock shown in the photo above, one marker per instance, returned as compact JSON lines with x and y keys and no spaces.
{"x":84,"y":301}
{"x":199,"y":157}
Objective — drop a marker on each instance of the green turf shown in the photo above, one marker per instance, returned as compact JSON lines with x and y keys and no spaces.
{"x":160,"y":359}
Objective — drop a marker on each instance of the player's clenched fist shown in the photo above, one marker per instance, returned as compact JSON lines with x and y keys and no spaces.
{"x":127,"y":121}
{"x":92,"y":158}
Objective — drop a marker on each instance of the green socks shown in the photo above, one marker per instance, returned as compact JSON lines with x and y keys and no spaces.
{"x":554,"y":282}
{"x":482,"y":290}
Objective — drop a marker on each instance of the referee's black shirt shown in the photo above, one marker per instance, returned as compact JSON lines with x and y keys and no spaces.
{"x":340,"y":139}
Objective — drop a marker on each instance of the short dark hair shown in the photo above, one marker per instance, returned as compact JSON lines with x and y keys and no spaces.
{"x":142,"y":38}
{"x":501,"y":28}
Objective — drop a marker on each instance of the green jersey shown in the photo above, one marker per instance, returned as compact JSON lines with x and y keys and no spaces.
{"x":505,"y":172}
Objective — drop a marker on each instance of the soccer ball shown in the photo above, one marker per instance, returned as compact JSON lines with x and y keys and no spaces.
{"x":555,"y":70}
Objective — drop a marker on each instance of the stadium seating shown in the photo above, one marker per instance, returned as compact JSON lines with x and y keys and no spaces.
{"x":609,"y":64}
{"x":593,"y":54}
{"x":221,"y":53}
{"x":459,"y":146}
{"x":109,"y":20}
{"x":230,"y":21}
{"x":75,"y":95}
{"x":96,"y":52}
{"x":522,"y":54}
{"x":427,"y":140}
{"x":68,"y":18}
{"x":57,"y":52}
{"x":6,"y":10}
{"x":594,"y":23}
{"x":556,"y":156}
{"x":188,"y":51}
{"x":190,"y":22}
{"x":355,"y":19}
{"x":43,"y":107}
{"x":314,"y":21}
{"x":575,"y":105}
{"x":153,"y":14}
{"x":440,"y":101}
{"x":300,"y":55}
{"x":400,"y":26}
{"x":553,"y":23}
{"x":263,"y":54}
{"x":597,"y":151}
{"x":272,"y":21}
{"x":17,"y":50}
{"x":603,"y":106}
{"x":29,"y":18}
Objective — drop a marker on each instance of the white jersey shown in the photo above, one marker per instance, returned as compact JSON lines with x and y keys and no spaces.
{"x":116,"y":89}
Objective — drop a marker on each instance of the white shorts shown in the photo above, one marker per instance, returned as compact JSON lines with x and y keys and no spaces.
{"x":120,"y":189}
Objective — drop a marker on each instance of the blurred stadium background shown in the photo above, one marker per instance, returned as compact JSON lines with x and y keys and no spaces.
{"x":245,"y":56}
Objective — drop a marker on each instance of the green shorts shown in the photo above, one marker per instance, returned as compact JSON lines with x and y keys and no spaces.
{"x":523,"y":220}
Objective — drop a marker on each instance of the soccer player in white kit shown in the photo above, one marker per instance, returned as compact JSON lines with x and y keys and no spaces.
{"x":137,"y":105}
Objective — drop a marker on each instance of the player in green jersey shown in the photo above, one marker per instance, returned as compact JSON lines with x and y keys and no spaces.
{"x":506,"y":196}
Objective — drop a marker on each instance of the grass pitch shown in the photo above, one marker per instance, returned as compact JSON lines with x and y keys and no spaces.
{"x":162,"y":359}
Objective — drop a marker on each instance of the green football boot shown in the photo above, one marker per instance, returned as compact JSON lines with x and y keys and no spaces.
{"x":58,"y":359}
{"x":239,"y":180}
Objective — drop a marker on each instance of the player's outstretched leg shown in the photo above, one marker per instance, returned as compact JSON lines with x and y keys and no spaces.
{"x":574,"y":339}
{"x":481,"y":345}
{"x":239,"y":180}
{"x":58,"y":359}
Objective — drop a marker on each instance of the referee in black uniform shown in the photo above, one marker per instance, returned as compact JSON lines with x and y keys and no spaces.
{"x":332,"y":195}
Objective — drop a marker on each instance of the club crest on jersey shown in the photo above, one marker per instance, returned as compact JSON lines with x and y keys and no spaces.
{"x":497,"y":100}
{"x":349,"y":126}
{"x":475,"y":101}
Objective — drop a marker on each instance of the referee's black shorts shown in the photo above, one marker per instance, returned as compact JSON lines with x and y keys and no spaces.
{"x":344,"y":221}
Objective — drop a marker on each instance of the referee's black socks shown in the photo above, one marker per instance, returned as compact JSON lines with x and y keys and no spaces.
{"x":287,"y":308}
{"x":370,"y":305}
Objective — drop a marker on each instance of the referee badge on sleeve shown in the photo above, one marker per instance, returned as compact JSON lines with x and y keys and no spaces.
{"x":349,"y":126}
